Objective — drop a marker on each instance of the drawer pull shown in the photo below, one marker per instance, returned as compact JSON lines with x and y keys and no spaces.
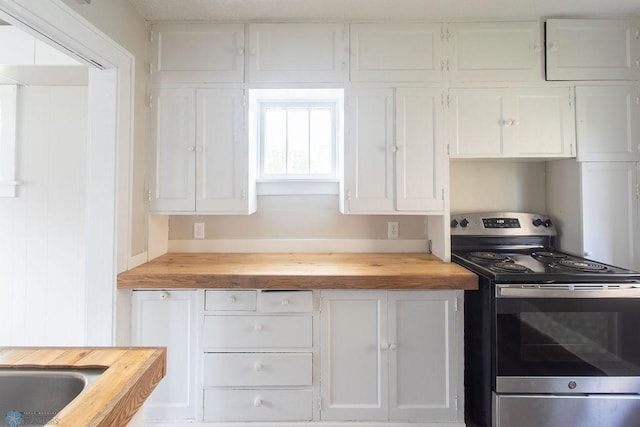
{"x":285,"y":302}
{"x":231,"y":299}
{"x":257,"y":327}
{"x":257,"y":402}
{"x":257,"y":366}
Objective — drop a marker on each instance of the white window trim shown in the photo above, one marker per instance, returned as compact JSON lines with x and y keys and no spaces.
{"x":8,"y":103}
{"x":311,"y":185}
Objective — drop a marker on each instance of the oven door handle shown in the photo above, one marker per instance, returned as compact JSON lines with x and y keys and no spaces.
{"x":520,"y":292}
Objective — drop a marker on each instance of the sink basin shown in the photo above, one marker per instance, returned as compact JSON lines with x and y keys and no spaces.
{"x":33,"y":397}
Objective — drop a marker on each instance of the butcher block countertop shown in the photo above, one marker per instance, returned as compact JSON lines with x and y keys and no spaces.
{"x":298,"y":271}
{"x":113,"y":399}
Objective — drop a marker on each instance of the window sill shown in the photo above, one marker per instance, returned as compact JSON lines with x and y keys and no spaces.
{"x":301,"y":187}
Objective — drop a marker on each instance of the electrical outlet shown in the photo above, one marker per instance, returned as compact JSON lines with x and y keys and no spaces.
{"x":392,"y":230}
{"x":198,"y":230}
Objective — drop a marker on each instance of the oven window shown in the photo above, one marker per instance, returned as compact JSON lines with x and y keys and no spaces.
{"x":567,"y":337}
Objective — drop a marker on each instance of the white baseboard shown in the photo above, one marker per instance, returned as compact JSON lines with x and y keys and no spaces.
{"x":297,"y":245}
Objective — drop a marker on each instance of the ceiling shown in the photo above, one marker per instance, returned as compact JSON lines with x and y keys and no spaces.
{"x":377,"y":10}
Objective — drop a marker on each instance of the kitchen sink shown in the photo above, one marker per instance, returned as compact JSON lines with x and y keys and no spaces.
{"x":33,"y":397}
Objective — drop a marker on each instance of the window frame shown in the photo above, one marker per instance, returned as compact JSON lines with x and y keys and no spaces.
{"x":8,"y":125}
{"x":291,"y":104}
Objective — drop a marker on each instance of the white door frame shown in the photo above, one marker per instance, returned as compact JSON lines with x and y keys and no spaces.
{"x":109,"y":145}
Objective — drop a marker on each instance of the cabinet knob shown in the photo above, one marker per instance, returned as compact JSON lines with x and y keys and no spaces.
{"x":551,"y":47}
{"x":537,"y":48}
{"x":231,"y":299}
{"x":384,"y":346}
{"x":241,"y":51}
{"x":164,"y":295}
{"x":257,"y":327}
{"x":257,"y":402}
{"x":392,"y":346}
{"x":394,"y":148}
{"x":285,"y":302}
{"x":257,"y":366}
{"x":191,"y":148}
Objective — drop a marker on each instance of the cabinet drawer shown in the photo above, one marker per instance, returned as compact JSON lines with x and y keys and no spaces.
{"x":230,"y":300}
{"x":257,"y":369}
{"x":257,"y":331}
{"x":257,"y":405}
{"x":286,"y":301}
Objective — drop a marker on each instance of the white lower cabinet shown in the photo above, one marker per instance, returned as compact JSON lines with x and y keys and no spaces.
{"x":391,"y":356}
{"x":170,"y":319}
{"x":304,"y":357}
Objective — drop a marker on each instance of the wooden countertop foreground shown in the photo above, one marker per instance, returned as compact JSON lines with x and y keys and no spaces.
{"x":298,"y":271}
{"x":113,"y":399}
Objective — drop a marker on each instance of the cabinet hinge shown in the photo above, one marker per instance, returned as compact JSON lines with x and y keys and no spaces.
{"x":443,"y":194}
{"x":345,"y":32}
{"x":150,"y":101}
{"x":429,"y":246}
{"x":444,"y":32}
{"x":348,"y":195}
{"x":455,"y":403}
{"x":151,"y":35}
{"x":570,"y":98}
{"x":319,"y":404}
{"x":455,"y":304}
{"x":148,"y":195}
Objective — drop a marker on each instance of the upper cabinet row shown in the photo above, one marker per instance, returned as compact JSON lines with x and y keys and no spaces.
{"x":425,"y":52}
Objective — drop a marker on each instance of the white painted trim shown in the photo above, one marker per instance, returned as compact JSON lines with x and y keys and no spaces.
{"x":138,"y":259}
{"x":310,"y":424}
{"x":109,"y":145}
{"x":297,"y":245}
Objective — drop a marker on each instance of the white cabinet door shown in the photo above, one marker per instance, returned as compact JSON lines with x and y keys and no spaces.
{"x":495,"y":51}
{"x":608,"y":123}
{"x":354,"y":355}
{"x":498,"y":123}
{"x":419,"y":150}
{"x":196,"y":53}
{"x":396,"y":53}
{"x":476,"y":122}
{"x":541,"y":123}
{"x":592,"y":49}
{"x":172,"y":160}
{"x":222,"y":171}
{"x":283,"y":53}
{"x":368,"y":156}
{"x":610,"y":219}
{"x":169,"y":319}
{"x":425,"y":375}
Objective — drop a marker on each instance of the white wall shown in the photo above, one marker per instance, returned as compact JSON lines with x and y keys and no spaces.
{"x":42,"y":231}
{"x":481,"y":186}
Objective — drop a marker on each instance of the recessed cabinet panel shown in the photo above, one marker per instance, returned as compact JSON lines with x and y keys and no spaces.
{"x":257,"y":369}
{"x":368,"y":150}
{"x":496,"y":51}
{"x":476,"y":122}
{"x":172,"y":151}
{"x":183,"y":53}
{"x":353,"y":360}
{"x":419,"y":154}
{"x":223,"y":160}
{"x":608,"y":123}
{"x":543,"y":123}
{"x":258,"y":405}
{"x":285,"y":53}
{"x":257,"y":331}
{"x":610,"y":202}
{"x":396,"y":53}
{"x":592,"y":49}
{"x":422,"y":327}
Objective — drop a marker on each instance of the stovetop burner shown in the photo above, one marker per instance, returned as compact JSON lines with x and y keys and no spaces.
{"x":580,"y":265}
{"x":509,"y":267}
{"x":488,"y":256}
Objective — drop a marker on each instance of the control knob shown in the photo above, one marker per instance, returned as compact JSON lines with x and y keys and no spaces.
{"x":537,"y":222}
{"x":454,"y":223}
{"x":464,"y":222}
{"x":547,"y":223}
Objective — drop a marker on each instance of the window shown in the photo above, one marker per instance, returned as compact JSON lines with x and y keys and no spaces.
{"x":298,"y":135}
{"x":8,"y":94}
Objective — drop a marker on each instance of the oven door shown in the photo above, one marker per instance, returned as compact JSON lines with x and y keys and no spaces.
{"x":567,"y":339}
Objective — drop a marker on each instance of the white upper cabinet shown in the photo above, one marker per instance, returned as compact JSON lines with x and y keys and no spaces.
{"x":393,"y":166}
{"x":495,"y":51}
{"x":592,"y":49}
{"x":307,"y":53}
{"x":419,"y":150}
{"x":197,"y":53}
{"x":396,"y":53}
{"x":523,"y":122}
{"x":199,"y":153}
{"x":608,"y":123}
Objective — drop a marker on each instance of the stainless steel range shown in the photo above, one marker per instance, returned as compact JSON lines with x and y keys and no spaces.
{"x":551,"y":339}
